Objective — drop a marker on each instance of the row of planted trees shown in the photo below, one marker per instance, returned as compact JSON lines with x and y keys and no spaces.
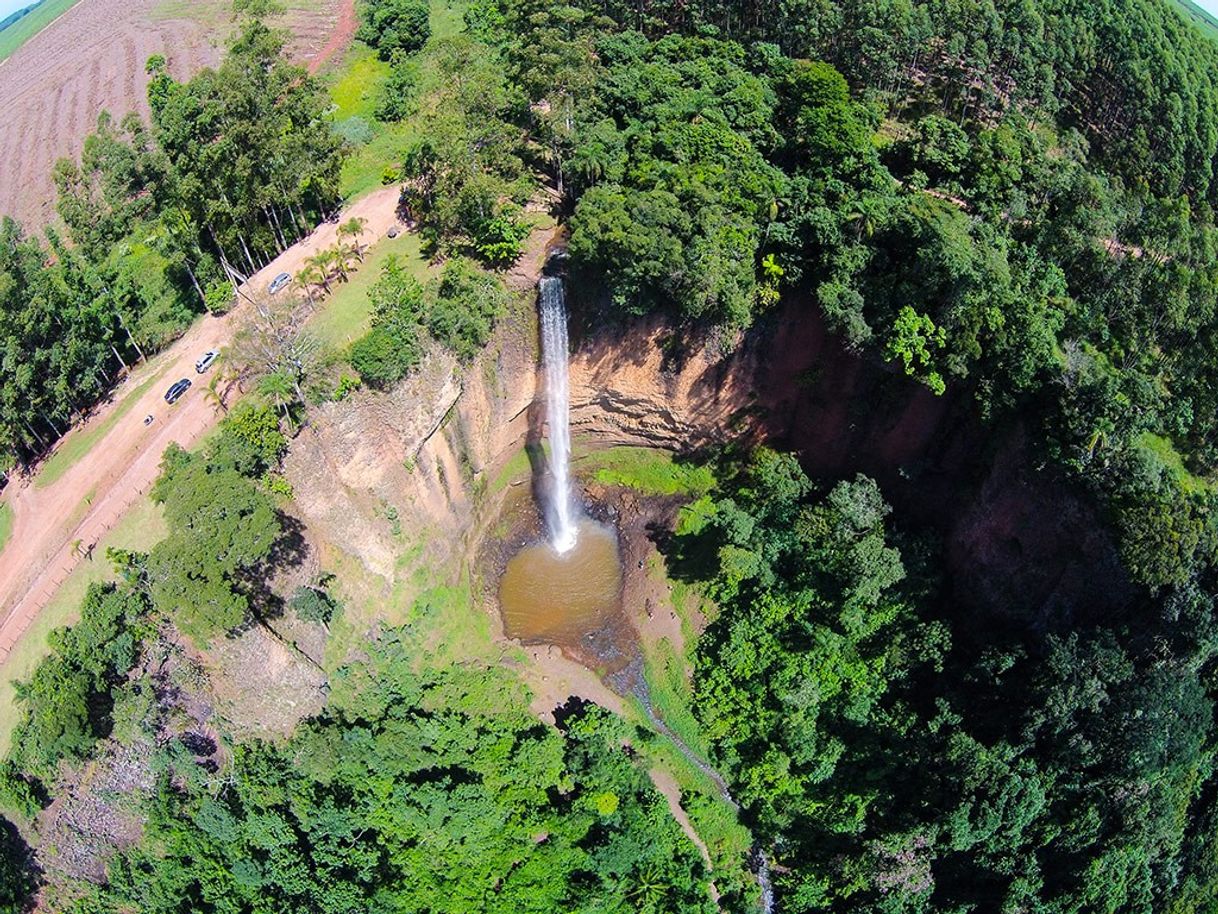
{"x":163,"y":220}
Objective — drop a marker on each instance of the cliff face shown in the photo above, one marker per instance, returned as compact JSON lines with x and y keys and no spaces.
{"x":415,"y":458}
{"x":434,"y":450}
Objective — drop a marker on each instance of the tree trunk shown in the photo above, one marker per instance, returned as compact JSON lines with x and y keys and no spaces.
{"x":54,"y":427}
{"x":249,"y":260}
{"x":131,"y":339}
{"x":33,"y":431}
{"x":194,"y":281}
{"x":274,"y":218}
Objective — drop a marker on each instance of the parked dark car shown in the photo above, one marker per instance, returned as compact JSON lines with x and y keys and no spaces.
{"x":174,"y":394}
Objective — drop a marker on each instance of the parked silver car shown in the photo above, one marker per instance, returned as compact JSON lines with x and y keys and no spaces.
{"x":206,"y":360}
{"x":279,"y":282}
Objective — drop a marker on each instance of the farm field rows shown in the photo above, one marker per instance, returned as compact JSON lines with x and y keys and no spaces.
{"x":92,"y":58}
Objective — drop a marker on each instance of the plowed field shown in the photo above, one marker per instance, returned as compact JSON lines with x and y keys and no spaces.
{"x":92,"y":58}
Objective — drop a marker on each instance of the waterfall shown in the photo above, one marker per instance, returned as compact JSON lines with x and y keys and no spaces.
{"x":560,"y":510}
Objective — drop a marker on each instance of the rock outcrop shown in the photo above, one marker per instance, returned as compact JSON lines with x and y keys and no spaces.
{"x":425,"y":456}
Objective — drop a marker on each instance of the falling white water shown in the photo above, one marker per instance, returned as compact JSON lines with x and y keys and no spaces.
{"x":560,"y":511}
{"x":763,"y":877}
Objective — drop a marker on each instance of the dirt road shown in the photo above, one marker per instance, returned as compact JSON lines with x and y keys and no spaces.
{"x":84,"y":503}
{"x":344,"y":32}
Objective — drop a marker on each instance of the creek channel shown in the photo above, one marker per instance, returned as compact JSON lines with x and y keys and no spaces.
{"x":566,"y":588}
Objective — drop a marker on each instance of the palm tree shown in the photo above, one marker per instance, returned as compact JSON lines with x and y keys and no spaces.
{"x":319,"y":263}
{"x":863,"y":221}
{"x":213,"y":395}
{"x":353,"y":228}
{"x":312,"y":278}
{"x":339,"y":262}
{"x":650,"y":888}
{"x":279,"y":388}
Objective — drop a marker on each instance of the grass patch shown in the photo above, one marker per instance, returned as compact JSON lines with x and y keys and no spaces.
{"x":346,"y":315}
{"x":357,"y":86}
{"x":6,"y":523}
{"x":1169,"y":458}
{"x":140,"y":528}
{"x":356,"y":90}
{"x":76,"y":446}
{"x":1204,"y":20}
{"x":31,"y":24}
{"x":651,"y":471}
{"x":667,"y":675}
{"x":668,"y":671}
{"x":517,"y":467}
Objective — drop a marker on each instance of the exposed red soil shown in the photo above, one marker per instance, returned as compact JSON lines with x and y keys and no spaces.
{"x":344,"y":32}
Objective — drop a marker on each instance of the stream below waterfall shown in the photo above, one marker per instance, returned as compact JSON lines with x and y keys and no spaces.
{"x":762,"y":861}
{"x":567,"y":588}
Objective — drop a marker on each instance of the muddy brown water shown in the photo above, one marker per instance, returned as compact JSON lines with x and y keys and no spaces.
{"x":562,"y":598}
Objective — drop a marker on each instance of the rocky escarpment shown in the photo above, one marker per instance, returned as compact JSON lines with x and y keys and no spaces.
{"x":432,"y":455}
{"x":650,"y":386}
{"x":414,"y":458}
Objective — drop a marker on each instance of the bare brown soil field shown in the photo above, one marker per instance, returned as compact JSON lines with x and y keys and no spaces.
{"x":92,"y":59}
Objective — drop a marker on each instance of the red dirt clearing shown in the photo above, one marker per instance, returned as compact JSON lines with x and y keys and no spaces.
{"x":344,"y":32}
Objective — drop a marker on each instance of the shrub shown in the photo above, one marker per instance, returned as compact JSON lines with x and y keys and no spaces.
{"x":397,"y":100}
{"x":383,"y":357}
{"x":355,"y":130}
{"x":465,"y":306}
{"x":312,"y":605}
{"x":499,"y":240}
{"x":250,"y":440}
{"x":395,"y":25}
{"x":68,"y":698}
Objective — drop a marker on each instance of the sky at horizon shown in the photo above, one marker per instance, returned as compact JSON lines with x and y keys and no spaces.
{"x":1210,"y":6}
{"x":11,"y":6}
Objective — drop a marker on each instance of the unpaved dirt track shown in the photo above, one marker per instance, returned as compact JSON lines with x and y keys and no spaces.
{"x":344,"y":32}
{"x":92,"y":58}
{"x":123,"y":464}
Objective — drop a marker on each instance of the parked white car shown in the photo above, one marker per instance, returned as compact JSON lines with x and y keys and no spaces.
{"x":206,"y":360}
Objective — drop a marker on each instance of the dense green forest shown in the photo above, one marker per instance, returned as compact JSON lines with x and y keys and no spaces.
{"x":1010,"y":203}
